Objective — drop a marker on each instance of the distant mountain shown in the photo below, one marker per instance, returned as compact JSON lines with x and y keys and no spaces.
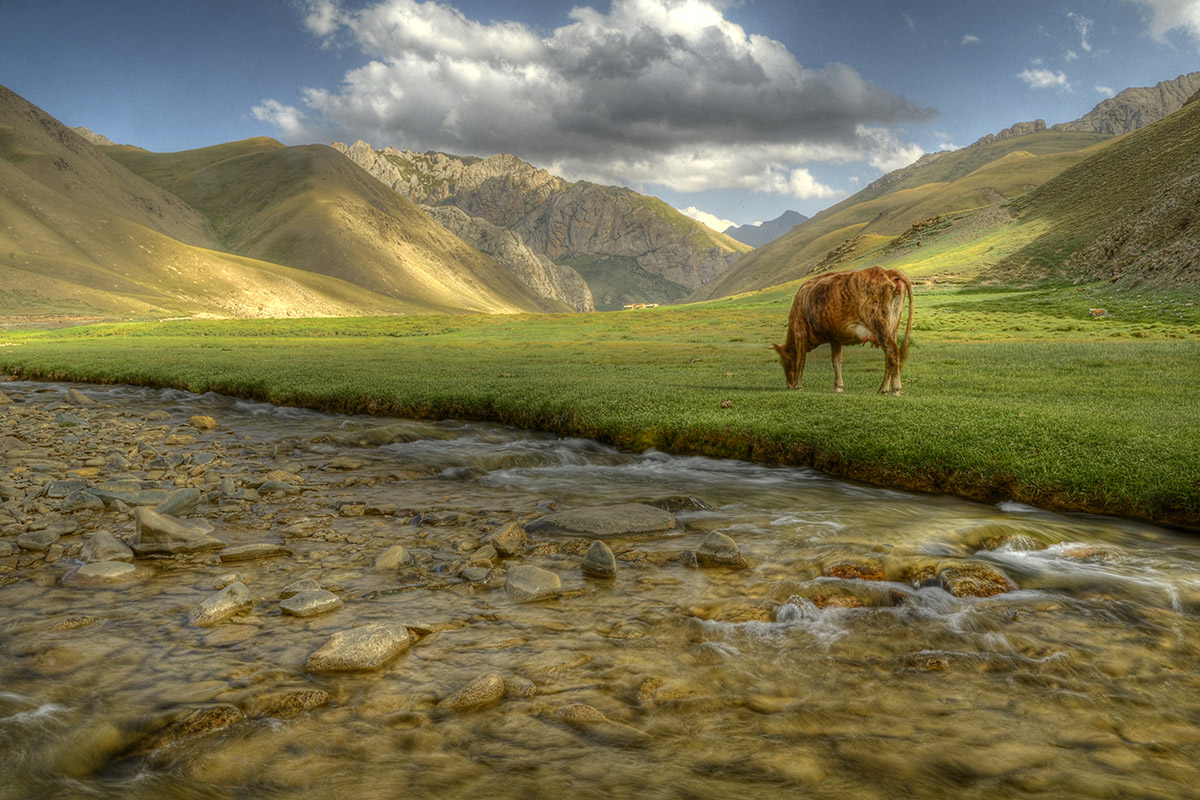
{"x":987,"y":175}
{"x":555,"y":218}
{"x":1134,"y":109}
{"x":766,"y":232}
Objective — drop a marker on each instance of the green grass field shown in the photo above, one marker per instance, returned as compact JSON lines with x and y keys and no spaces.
{"x":1014,"y":395}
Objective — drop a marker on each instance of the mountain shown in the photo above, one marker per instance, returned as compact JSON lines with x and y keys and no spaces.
{"x":1136,"y":108}
{"x":766,"y":232}
{"x":937,"y":192}
{"x":310,"y":208}
{"x":81,"y":236}
{"x":556,"y":218}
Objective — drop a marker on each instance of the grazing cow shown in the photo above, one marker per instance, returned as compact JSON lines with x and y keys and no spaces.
{"x":844,"y":308}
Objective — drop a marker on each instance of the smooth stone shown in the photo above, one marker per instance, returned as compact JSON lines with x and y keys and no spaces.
{"x":180,"y":503}
{"x":508,"y":540}
{"x":627,"y":520}
{"x":344,"y":463}
{"x":202,"y":422}
{"x":217,"y":608}
{"x":104,"y":546}
{"x":394,"y":557}
{"x":476,"y":574}
{"x":310,"y":603}
{"x":527,"y":583}
{"x":81,"y":501}
{"x":596,"y":724}
{"x":158,"y":534}
{"x":718,"y":550}
{"x":76,"y":397}
{"x":599,"y":561}
{"x":37,"y":541}
{"x":288,"y":704}
{"x":365,"y":648}
{"x":189,"y":725}
{"x":296,"y":587}
{"x":104,"y":573}
{"x":57,"y":490}
{"x":974,"y":579}
{"x":5,"y":400}
{"x":131,"y":497}
{"x":247,"y":552}
{"x":478,"y":693}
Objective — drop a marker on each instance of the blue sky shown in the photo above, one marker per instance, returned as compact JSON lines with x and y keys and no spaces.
{"x":735,"y":110}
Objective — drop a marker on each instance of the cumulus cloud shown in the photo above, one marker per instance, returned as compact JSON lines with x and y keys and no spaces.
{"x":711,"y":220}
{"x":1044,"y":79}
{"x":969,"y":38}
{"x":1165,"y":16}
{"x":1107,"y":91}
{"x":653,"y":91}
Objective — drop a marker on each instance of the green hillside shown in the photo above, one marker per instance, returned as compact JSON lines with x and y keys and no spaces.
{"x":964,"y":180}
{"x":311,"y":208}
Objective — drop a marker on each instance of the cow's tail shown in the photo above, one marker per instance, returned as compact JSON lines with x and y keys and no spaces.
{"x":908,"y":327}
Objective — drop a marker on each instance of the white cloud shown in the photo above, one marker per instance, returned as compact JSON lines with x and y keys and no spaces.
{"x":908,"y":22}
{"x":969,"y":38}
{"x":711,"y":220}
{"x":1044,"y":79}
{"x":1084,"y":26}
{"x":885,"y":152}
{"x":653,"y":91}
{"x":1107,"y":91}
{"x":1070,"y":56}
{"x":1168,"y":15}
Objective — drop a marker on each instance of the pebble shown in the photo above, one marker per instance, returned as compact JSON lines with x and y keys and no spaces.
{"x":296,"y":587}
{"x":104,"y":574}
{"x":368,"y":647}
{"x":217,"y":608}
{"x":599,"y":561}
{"x":626,"y":520}
{"x":394,"y":557}
{"x":310,"y":603}
{"x":158,"y":534}
{"x":526,"y":583}
{"x":180,"y":503}
{"x":103,"y":545}
{"x":248,"y":552}
{"x":718,"y":550}
{"x":37,"y":541}
{"x":508,"y":540}
{"x":480,"y":692}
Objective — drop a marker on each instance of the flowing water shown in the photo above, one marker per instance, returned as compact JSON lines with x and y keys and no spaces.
{"x":794,"y":677}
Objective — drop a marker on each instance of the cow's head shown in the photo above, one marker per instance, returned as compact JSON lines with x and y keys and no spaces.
{"x":791,"y":365}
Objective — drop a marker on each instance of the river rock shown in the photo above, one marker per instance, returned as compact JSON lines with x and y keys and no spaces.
{"x":37,"y":541}
{"x":81,"y":501}
{"x":180,"y":503}
{"x":193,"y":723}
{"x":296,"y":587}
{"x":478,"y":693}
{"x":104,"y":574}
{"x":133,"y":497}
{"x":202,"y":422}
{"x":5,"y":400}
{"x":718,"y":550}
{"x":78,"y":398}
{"x":248,"y":552}
{"x":527,"y":583}
{"x":394,"y":557}
{"x":217,"y":608}
{"x":594,"y":723}
{"x":368,"y":647}
{"x":288,"y":704}
{"x":509,"y":539}
{"x":599,"y":561}
{"x":104,"y":546}
{"x":863,"y":569}
{"x":158,"y":534}
{"x":311,"y":603}
{"x":974,"y":579}
{"x":60,"y":489}
{"x":628,"y":520}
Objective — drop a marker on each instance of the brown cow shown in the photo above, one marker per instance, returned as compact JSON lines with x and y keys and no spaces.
{"x":845,"y":308}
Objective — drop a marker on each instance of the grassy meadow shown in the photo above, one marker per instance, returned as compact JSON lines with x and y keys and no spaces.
{"x":1010,"y":395}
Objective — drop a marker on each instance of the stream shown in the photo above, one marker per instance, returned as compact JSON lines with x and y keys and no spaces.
{"x":876,"y":644}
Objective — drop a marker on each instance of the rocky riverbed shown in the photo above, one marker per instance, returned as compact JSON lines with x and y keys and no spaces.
{"x":204,"y":597}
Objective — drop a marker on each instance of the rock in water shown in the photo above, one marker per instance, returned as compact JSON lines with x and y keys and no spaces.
{"x":509,"y":540}
{"x":628,"y":520}
{"x":477,"y":694}
{"x":973,"y":579}
{"x":158,"y":534}
{"x":526,"y":583}
{"x":394,"y":557}
{"x":78,"y":398}
{"x":599,"y":562}
{"x":180,"y":503}
{"x":718,"y":550}
{"x":219,"y":607}
{"x":364,"y":648}
{"x":104,"y":574}
{"x":311,"y":603}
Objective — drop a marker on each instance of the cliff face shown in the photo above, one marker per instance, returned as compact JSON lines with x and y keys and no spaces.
{"x":539,"y":273}
{"x":1136,"y":108}
{"x":554,"y":217}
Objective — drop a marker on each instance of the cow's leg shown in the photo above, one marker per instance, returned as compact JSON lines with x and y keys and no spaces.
{"x":891,"y":371}
{"x":835,"y":350}
{"x":801,"y":355}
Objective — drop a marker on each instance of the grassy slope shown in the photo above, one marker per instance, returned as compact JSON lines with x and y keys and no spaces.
{"x":965,"y":179}
{"x":311,"y":208}
{"x":1013,"y":395}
